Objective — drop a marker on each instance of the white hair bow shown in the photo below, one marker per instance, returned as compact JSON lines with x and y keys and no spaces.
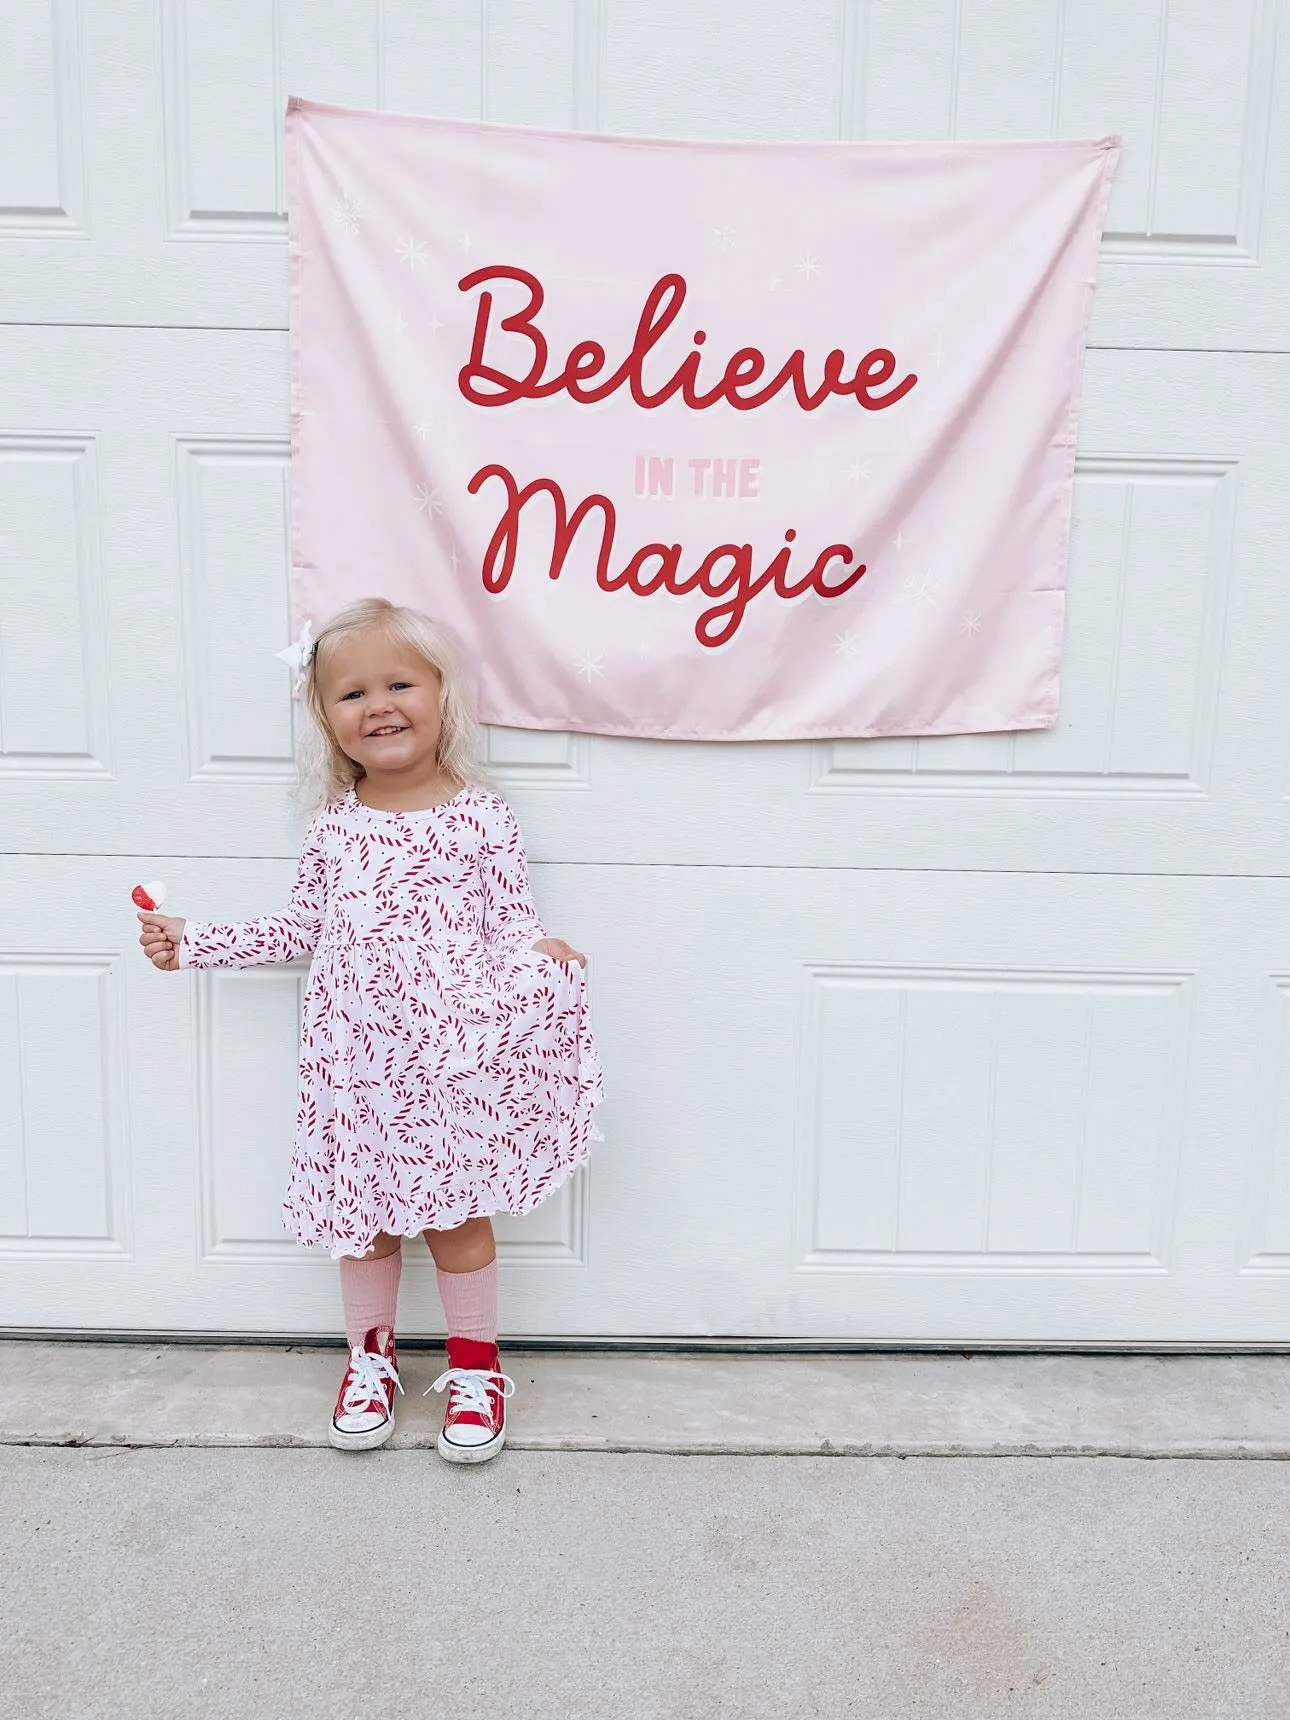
{"x":298,"y":656}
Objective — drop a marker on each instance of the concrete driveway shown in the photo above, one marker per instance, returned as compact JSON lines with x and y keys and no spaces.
{"x":202,"y":1579}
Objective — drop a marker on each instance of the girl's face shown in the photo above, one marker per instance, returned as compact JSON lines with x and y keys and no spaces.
{"x":382,"y":701}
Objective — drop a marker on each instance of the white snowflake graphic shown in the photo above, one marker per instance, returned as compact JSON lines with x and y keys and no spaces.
{"x":590,"y":664}
{"x":412,"y":252}
{"x":421,"y":430}
{"x":898,"y":542}
{"x":347,"y":213}
{"x":723,"y":238}
{"x":465,"y":241}
{"x":398,"y":322}
{"x":434,"y":325}
{"x":938,"y":351}
{"x":454,"y":559}
{"x":970,"y":623}
{"x":922,"y":589}
{"x":643,"y":649}
{"x":774,"y":283}
{"x":847,"y":644}
{"x":428,"y":500}
{"x":808,"y":266}
{"x":859,"y":472}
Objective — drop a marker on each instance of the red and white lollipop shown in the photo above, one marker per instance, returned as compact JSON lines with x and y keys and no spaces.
{"x":149,"y":897}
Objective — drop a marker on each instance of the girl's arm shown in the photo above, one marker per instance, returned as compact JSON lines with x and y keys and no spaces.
{"x":273,"y":937}
{"x":511,"y":920}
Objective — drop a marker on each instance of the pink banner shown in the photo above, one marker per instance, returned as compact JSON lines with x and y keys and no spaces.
{"x":719,"y":441}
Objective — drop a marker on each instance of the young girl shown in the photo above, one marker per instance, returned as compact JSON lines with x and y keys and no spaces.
{"x":447,"y":1068}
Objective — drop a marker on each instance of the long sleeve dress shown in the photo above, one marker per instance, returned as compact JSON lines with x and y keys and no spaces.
{"x":447,"y":1070}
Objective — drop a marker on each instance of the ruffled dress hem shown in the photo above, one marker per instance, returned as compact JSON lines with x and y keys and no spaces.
{"x":489,"y":1200}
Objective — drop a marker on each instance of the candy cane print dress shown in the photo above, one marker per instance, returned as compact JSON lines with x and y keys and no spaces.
{"x":447,"y":1069}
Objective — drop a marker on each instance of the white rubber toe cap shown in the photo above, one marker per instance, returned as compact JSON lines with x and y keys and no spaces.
{"x":477,"y":1449}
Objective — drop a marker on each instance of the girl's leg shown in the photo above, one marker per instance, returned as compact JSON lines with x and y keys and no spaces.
{"x":474,"y":1423}
{"x":466,"y":1269}
{"x":369,"y":1288}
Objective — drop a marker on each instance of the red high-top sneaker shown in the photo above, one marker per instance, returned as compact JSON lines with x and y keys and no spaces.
{"x":364,"y":1413}
{"x":474,"y":1423}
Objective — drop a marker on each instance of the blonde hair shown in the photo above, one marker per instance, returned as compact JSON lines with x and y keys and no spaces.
{"x":326,"y":772}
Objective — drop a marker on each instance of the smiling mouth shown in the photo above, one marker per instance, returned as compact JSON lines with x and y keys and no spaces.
{"x":387,"y":729}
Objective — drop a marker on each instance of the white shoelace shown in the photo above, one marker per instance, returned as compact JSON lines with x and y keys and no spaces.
{"x":368,"y":1372}
{"x":470,"y":1388}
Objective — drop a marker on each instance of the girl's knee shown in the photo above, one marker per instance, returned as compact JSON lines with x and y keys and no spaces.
{"x":381,"y":1249}
{"x":468,"y":1244}
{"x":470,"y":1227}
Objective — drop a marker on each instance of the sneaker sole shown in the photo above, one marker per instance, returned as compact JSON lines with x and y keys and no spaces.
{"x":367,"y":1441}
{"x":471,"y":1453}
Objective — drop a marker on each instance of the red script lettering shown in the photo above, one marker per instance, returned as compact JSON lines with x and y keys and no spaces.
{"x":734,"y":588}
{"x":485,"y":384}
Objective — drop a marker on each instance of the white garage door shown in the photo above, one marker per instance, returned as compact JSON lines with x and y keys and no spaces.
{"x":961,"y":1040}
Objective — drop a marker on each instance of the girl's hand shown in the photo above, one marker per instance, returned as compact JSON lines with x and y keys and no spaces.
{"x":160,"y":939}
{"x":558,"y":951}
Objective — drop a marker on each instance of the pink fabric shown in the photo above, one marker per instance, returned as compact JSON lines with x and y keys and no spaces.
{"x":470,"y":1302}
{"x":369,"y":1292}
{"x":447,"y":1070}
{"x":743,"y":372}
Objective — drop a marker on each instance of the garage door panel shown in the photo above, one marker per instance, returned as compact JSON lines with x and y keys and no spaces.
{"x":173,"y":116}
{"x":63,"y":1175}
{"x":1025,"y":1120}
{"x":42,"y":143}
{"x":248,"y":1031}
{"x":913,"y":1106}
{"x":52,"y":608}
{"x":1092,"y":1086}
{"x":152,"y":544}
{"x":232,"y":507}
{"x":1266,"y":1244}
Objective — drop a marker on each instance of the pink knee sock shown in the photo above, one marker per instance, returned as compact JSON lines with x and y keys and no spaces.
{"x":369,"y":1290}
{"x":470,"y":1302}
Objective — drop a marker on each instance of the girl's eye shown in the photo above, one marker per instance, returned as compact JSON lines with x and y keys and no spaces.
{"x":356,"y":694}
{"x":398,"y":686}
